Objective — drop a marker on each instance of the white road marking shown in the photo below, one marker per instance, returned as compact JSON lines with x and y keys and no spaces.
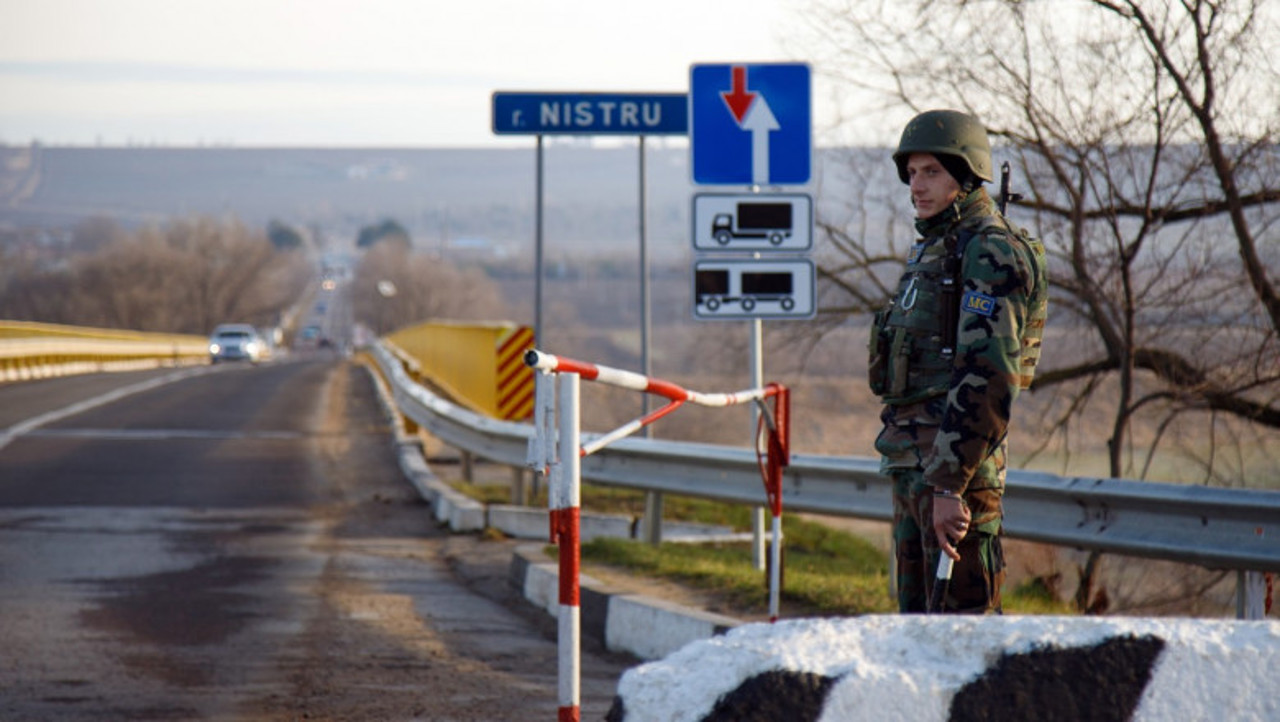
{"x":25,"y":427}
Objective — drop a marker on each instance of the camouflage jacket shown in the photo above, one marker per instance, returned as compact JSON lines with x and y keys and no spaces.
{"x":947,"y":408}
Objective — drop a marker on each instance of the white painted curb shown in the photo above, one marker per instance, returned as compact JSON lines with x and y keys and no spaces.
{"x":653,"y":628}
{"x":459,"y":511}
{"x":643,"y":626}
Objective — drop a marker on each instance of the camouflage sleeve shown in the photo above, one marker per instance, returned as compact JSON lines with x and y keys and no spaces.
{"x":998,"y":281}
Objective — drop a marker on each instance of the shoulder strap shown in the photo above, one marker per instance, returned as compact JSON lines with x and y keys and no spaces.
{"x":952,"y":267}
{"x":952,"y":274}
{"x":1017,"y":233}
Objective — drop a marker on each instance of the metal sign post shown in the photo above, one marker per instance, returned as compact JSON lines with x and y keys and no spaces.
{"x":537,"y":246}
{"x":756,"y":361}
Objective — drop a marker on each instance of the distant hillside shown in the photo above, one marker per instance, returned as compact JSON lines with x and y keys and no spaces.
{"x":442,"y":196}
{"x":461,"y":198}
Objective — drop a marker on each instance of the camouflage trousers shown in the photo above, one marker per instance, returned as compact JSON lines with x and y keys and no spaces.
{"x":975,"y":579}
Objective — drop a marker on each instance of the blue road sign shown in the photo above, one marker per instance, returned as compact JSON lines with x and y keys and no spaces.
{"x":750,"y":124}
{"x":590,"y":113}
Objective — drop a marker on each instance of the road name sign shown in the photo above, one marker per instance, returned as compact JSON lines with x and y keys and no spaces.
{"x":753,"y":288}
{"x":750,"y":124}
{"x":754,"y":222}
{"x":590,"y":113}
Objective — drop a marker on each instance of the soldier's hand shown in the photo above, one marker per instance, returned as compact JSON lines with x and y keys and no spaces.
{"x":950,"y":523}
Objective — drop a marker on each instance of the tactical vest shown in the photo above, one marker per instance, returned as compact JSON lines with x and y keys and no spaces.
{"x":912,"y":344}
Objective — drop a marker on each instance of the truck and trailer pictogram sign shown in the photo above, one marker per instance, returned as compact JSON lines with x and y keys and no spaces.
{"x":743,"y":288}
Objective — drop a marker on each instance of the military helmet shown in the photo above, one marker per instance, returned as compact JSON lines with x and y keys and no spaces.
{"x":946,"y":132}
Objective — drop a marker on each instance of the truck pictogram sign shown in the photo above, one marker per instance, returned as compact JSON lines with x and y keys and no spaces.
{"x":752,"y":222}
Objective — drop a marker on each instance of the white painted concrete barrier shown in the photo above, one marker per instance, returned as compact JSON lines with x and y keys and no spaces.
{"x":922,"y":669}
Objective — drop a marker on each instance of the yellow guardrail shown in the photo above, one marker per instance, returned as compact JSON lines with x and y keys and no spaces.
{"x":31,"y":350}
{"x":480,"y":365}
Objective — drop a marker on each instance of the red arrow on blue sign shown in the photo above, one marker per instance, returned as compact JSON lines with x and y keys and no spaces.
{"x":738,"y":99}
{"x":750,"y":123}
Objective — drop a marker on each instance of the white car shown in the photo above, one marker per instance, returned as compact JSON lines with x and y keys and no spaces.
{"x":236,"y":342}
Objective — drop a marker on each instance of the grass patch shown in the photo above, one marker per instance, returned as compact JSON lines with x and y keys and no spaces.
{"x":1033,"y":597}
{"x":612,"y":500}
{"x":826,"y":572}
{"x":483,"y":493}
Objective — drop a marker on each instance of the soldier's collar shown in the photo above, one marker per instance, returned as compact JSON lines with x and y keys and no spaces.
{"x":975,"y":204}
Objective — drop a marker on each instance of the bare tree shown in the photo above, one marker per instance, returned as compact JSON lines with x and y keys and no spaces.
{"x":1144,"y":133}
{"x":185,"y":277}
{"x":230,"y":274}
{"x":395,"y":287}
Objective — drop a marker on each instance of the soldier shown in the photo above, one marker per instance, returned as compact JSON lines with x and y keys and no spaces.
{"x":949,"y":354}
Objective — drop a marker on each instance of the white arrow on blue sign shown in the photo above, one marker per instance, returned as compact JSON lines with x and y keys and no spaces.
{"x":750,"y":124}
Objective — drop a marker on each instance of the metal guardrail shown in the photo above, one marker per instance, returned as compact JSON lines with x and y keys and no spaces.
{"x":1236,"y":529}
{"x":35,"y":350}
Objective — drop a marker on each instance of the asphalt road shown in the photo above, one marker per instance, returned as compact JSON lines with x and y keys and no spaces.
{"x":237,"y":543}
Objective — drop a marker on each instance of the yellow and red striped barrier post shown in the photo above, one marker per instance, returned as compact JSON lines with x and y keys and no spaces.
{"x":515,"y":379}
{"x":479,"y":365}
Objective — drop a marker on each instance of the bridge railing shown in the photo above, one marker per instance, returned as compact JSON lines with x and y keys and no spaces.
{"x":38,"y":350}
{"x":1230,"y":529}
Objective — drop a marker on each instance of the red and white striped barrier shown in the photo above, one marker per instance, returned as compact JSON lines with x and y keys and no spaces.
{"x":556,"y":450}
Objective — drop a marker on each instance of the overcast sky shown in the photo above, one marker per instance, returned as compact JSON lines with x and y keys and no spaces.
{"x":343,"y":73}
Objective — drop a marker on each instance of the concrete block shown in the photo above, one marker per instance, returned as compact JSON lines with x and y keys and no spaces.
{"x":653,"y":628}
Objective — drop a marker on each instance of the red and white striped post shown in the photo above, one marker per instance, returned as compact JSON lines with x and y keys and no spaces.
{"x":565,"y":520}
{"x":555,"y":451}
{"x":561,"y":461}
{"x":778,"y":456}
